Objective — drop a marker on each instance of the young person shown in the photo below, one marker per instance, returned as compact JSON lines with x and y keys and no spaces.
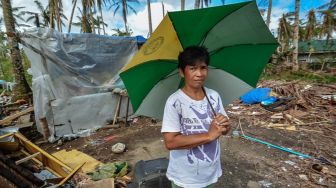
{"x":191,"y":128}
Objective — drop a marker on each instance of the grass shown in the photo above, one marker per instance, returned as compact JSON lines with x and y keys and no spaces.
{"x":304,"y":75}
{"x":7,"y":69}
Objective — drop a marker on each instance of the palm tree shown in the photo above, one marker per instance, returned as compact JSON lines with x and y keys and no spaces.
{"x":202,"y":3}
{"x":91,"y":6}
{"x":100,"y":3}
{"x":122,"y":33}
{"x":296,"y":35}
{"x":182,"y":4}
{"x":43,"y":13}
{"x":98,"y":23}
{"x":84,"y":22}
{"x":125,"y":6}
{"x":269,"y":10}
{"x":4,"y":51}
{"x":55,"y":8}
{"x":284,"y":33}
{"x":18,"y":15}
{"x":328,"y":23}
{"x":74,"y":3}
{"x":149,"y":17}
{"x":310,"y":25}
{"x":197,"y":4}
{"x":330,"y":5}
{"x":163,"y":9}
{"x":21,"y":89}
{"x":328,"y":12}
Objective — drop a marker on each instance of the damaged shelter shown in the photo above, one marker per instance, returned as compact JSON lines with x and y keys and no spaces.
{"x":75,"y":86}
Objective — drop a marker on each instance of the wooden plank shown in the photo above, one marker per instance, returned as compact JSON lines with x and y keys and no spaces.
{"x":47,"y":159}
{"x":6,"y":135}
{"x":27,"y":158}
{"x":10,"y":118}
{"x":24,"y":125}
{"x":40,"y":164}
{"x":70,"y":175}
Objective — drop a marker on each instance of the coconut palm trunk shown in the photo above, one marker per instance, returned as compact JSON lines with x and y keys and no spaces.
{"x":296,"y":35}
{"x":58,"y":15}
{"x":124,"y":12}
{"x":72,"y":13}
{"x":163,"y":9}
{"x":197,"y":4}
{"x":99,"y":6}
{"x":269,"y":11}
{"x":86,"y":28}
{"x":102,"y":21}
{"x":21,"y":89}
{"x":37,"y":20}
{"x":149,"y":17}
{"x":92,"y":21}
{"x":51,"y":14}
{"x":182,"y":4}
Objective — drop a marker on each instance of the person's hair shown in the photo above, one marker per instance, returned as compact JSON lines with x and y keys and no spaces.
{"x":192,"y":55}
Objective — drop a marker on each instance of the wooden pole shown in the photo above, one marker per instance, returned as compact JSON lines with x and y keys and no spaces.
{"x":126,"y":116}
{"x":45,"y":128}
{"x":117,"y":110}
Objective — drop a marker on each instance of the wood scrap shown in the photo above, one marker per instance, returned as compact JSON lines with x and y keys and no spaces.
{"x":27,"y":158}
{"x":10,"y":118}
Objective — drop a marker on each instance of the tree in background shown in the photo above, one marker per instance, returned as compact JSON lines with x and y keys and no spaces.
{"x":269,"y":11}
{"x":74,"y":4}
{"x":285,"y":33}
{"x":150,"y":25}
{"x":21,"y":89}
{"x":122,"y":33}
{"x":310,"y":26}
{"x":296,"y":35}
{"x":36,"y":16}
{"x":55,"y":8}
{"x":125,"y":6}
{"x":328,"y":26}
{"x":202,"y":3}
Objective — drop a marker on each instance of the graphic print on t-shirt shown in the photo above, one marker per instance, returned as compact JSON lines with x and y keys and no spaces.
{"x":198,"y":121}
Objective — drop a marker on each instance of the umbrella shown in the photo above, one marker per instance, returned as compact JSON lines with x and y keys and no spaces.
{"x":238,"y":40}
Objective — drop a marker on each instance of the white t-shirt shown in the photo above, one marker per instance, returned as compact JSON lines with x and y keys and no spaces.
{"x":199,"y":166}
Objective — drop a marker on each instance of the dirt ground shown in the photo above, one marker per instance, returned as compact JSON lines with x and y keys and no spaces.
{"x":243,"y":161}
{"x":308,"y":127}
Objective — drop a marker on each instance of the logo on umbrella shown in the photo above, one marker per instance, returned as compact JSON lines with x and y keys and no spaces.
{"x":153,"y":45}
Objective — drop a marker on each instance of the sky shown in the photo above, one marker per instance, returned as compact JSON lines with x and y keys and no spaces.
{"x":139,"y":22}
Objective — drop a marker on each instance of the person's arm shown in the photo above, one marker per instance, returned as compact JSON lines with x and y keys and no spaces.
{"x":175,"y":140}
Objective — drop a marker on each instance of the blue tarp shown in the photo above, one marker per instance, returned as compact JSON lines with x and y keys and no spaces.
{"x":141,"y":39}
{"x":256,"y":95}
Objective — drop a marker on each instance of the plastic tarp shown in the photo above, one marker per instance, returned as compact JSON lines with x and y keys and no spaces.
{"x":79,"y":69}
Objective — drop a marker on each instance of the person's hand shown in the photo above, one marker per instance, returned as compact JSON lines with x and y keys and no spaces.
{"x":218,"y":126}
{"x":223,"y":121}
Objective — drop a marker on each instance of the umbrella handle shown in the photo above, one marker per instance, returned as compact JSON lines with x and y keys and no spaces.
{"x":212,"y":109}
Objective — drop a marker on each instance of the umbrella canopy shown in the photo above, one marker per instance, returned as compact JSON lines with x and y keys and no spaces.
{"x":238,"y":40}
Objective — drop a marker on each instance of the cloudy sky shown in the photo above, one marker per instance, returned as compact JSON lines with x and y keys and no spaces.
{"x":139,"y":22}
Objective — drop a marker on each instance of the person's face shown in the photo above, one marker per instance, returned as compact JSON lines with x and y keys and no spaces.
{"x":195,"y":75}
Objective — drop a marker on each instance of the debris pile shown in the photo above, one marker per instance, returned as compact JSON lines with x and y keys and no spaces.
{"x":306,"y":124}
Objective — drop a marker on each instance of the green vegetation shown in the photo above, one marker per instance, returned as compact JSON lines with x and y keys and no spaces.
{"x":304,"y":75}
{"x":6,"y":69}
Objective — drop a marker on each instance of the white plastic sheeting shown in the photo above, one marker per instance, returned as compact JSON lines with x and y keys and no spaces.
{"x":73,"y":76}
